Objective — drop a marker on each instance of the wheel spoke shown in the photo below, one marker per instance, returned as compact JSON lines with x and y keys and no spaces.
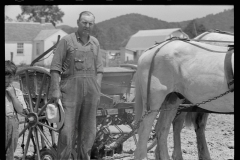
{"x":27,"y":144}
{"x":43,"y":108}
{"x":44,"y":137}
{"x":35,"y":83}
{"x":37,"y":145}
{"x":28,"y":90}
{"x":25,"y":128}
{"x":47,"y":126}
{"x":53,"y":135}
{"x":40,"y":93}
{"x":42,"y":117}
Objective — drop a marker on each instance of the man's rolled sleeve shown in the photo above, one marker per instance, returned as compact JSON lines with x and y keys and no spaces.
{"x":99,"y":61}
{"x":19,"y":95}
{"x":59,"y":56}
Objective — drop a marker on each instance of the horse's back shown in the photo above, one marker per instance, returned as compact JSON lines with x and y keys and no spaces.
{"x":193,"y":69}
{"x":217,"y":37}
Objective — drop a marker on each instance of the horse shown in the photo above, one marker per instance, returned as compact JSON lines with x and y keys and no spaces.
{"x":191,"y":69}
{"x":198,"y":119}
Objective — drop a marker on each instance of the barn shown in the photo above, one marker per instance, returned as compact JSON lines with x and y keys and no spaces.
{"x":144,"y":39}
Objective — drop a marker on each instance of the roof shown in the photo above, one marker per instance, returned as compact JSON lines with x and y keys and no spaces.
{"x":147,"y":33}
{"x":144,"y":39}
{"x":24,"y":31}
{"x":46,"y":33}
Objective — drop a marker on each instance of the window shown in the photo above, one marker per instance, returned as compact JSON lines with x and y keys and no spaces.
{"x":19,"y":48}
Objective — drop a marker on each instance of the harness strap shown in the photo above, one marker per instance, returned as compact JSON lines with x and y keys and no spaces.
{"x":203,"y":35}
{"x":219,"y":31}
{"x":151,"y":69}
{"x":154,"y":55}
{"x":228,"y":69}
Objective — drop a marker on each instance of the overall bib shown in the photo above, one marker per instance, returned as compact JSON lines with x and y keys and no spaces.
{"x":80,"y":98}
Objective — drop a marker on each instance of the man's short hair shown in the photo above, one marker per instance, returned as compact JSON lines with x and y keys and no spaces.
{"x":85,"y":13}
{"x":10,"y":67}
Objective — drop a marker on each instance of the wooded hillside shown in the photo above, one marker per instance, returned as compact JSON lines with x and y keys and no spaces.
{"x":115,"y":33}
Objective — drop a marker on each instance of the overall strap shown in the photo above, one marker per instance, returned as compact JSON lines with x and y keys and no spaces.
{"x":94,"y":58}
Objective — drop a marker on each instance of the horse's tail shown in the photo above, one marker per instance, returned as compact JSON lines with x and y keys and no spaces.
{"x":196,"y":118}
{"x":189,"y":119}
{"x":138,"y":106}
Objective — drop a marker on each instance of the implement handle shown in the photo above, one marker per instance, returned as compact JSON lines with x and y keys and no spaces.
{"x":42,"y":55}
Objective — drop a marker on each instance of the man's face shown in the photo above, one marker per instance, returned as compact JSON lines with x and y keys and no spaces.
{"x":8,"y":79}
{"x":85,"y":24}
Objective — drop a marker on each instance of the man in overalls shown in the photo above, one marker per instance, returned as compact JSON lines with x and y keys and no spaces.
{"x":78,"y":62}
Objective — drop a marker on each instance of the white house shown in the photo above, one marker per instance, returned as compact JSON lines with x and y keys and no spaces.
{"x":144,"y":39}
{"x":24,"y":41}
{"x":128,"y":54}
{"x":43,"y":41}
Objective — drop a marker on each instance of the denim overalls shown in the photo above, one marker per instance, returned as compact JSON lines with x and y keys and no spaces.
{"x":80,"y":98}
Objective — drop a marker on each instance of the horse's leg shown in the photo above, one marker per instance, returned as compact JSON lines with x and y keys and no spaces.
{"x":200,"y":121}
{"x":163,"y":125}
{"x":177,"y":127}
{"x":144,"y":132}
{"x":156,"y":99}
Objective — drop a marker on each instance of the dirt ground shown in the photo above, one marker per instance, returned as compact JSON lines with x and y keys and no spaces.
{"x":219,"y":136}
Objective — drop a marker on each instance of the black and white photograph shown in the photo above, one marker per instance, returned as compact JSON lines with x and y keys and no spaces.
{"x":119,"y":82}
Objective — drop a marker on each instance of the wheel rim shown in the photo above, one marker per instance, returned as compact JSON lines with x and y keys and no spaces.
{"x":37,"y":102}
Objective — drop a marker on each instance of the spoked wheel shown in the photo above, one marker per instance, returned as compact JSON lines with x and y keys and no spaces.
{"x":35,"y":83}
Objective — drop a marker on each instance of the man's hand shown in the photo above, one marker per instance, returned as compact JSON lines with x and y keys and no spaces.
{"x":11,"y":92}
{"x":99,"y":79}
{"x":56,"y":95}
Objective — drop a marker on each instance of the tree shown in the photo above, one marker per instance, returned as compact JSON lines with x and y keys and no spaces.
{"x":8,"y":19}
{"x":194,"y":28}
{"x":51,"y":13}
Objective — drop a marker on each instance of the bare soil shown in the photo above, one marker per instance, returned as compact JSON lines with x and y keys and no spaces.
{"x":219,"y":135}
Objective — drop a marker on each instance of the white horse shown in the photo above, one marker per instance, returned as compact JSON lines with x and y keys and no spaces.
{"x":197,"y":74}
{"x":199,"y":120}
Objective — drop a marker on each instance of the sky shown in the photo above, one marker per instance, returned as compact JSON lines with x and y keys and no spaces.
{"x":169,"y":13}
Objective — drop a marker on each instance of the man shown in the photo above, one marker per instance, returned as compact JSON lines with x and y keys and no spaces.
{"x":78,"y":62}
{"x":14,"y":103}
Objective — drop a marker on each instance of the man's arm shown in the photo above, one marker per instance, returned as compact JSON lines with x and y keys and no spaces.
{"x":99,"y":66}
{"x":99,"y":78}
{"x":16,"y":103}
{"x":56,"y":69}
{"x":56,"y":93}
{"x":21,"y":98}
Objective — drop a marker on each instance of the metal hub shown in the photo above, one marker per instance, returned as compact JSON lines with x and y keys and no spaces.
{"x":32,"y":119}
{"x":47,"y":157}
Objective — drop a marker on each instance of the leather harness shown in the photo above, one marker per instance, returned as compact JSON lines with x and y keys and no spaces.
{"x":227,"y":67}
